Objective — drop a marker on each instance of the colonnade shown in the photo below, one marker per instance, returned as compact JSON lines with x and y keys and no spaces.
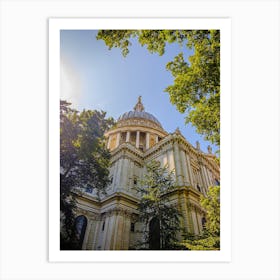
{"x":128,"y":138}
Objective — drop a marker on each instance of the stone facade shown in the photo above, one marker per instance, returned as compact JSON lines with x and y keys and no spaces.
{"x":137,"y":139}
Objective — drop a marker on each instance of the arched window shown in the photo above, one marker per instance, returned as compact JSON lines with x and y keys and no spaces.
{"x":154,"y":234}
{"x":80,"y":228}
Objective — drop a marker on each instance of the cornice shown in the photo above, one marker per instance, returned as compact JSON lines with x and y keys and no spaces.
{"x":117,"y":208}
{"x":119,"y":196}
{"x":117,"y":211}
{"x":201,"y":156}
{"x":132,"y":124}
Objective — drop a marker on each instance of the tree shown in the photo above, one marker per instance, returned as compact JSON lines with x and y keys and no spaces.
{"x":210,"y":238}
{"x":84,"y":162}
{"x":196,"y":88}
{"x":160,"y":217}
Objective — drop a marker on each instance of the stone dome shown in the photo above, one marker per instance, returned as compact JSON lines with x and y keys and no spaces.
{"x":139,"y":113}
{"x":136,"y":127}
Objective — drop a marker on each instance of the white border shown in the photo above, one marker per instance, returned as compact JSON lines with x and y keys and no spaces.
{"x":55,"y":25}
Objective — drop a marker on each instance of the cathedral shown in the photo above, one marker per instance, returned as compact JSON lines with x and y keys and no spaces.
{"x":137,"y":139}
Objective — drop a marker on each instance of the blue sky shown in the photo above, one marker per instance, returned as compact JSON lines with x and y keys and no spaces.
{"x":93,"y":77}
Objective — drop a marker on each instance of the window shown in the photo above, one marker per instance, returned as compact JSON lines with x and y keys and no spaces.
{"x":203,"y":222}
{"x":103,"y":226}
{"x":80,"y":228}
{"x":198,"y":188}
{"x":132,"y":227}
{"x":134,"y":181}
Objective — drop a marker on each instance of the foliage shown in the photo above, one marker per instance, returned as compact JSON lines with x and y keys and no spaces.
{"x":211,"y":204}
{"x":210,"y":238}
{"x":196,"y":88}
{"x":203,"y":243}
{"x":155,"y":204}
{"x":84,"y":162}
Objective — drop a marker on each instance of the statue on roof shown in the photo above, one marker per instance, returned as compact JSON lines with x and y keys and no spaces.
{"x":139,"y":107}
{"x":209,"y":148}
{"x":197,"y":145}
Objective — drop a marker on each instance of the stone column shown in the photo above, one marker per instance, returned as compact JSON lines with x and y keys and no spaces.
{"x":197,"y":221}
{"x":206,"y":176}
{"x":125,"y":174}
{"x":178,"y":170}
{"x":109,"y":232}
{"x":185,"y":213}
{"x":109,"y":142}
{"x":118,"y":174}
{"x":96,"y":234}
{"x":190,"y":170}
{"x":118,"y":234}
{"x":132,"y":174}
{"x":200,"y":178}
{"x":147,"y":140}
{"x":118,"y":139}
{"x":104,"y":233}
{"x":196,"y":229}
{"x":137,"y":139}
{"x":156,"y":139}
{"x":86,"y":236}
{"x":190,"y":219}
{"x":202,"y":172}
{"x":201,"y":182}
{"x":121,"y":170}
{"x":91,"y":235}
{"x":115,"y":175}
{"x":210,"y":177}
{"x":184,"y":167}
{"x":127,"y":136}
{"x":170,"y":160}
{"x":126,"y":233}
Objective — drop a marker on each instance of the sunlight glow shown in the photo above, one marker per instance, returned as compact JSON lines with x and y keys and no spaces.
{"x":70,"y":84}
